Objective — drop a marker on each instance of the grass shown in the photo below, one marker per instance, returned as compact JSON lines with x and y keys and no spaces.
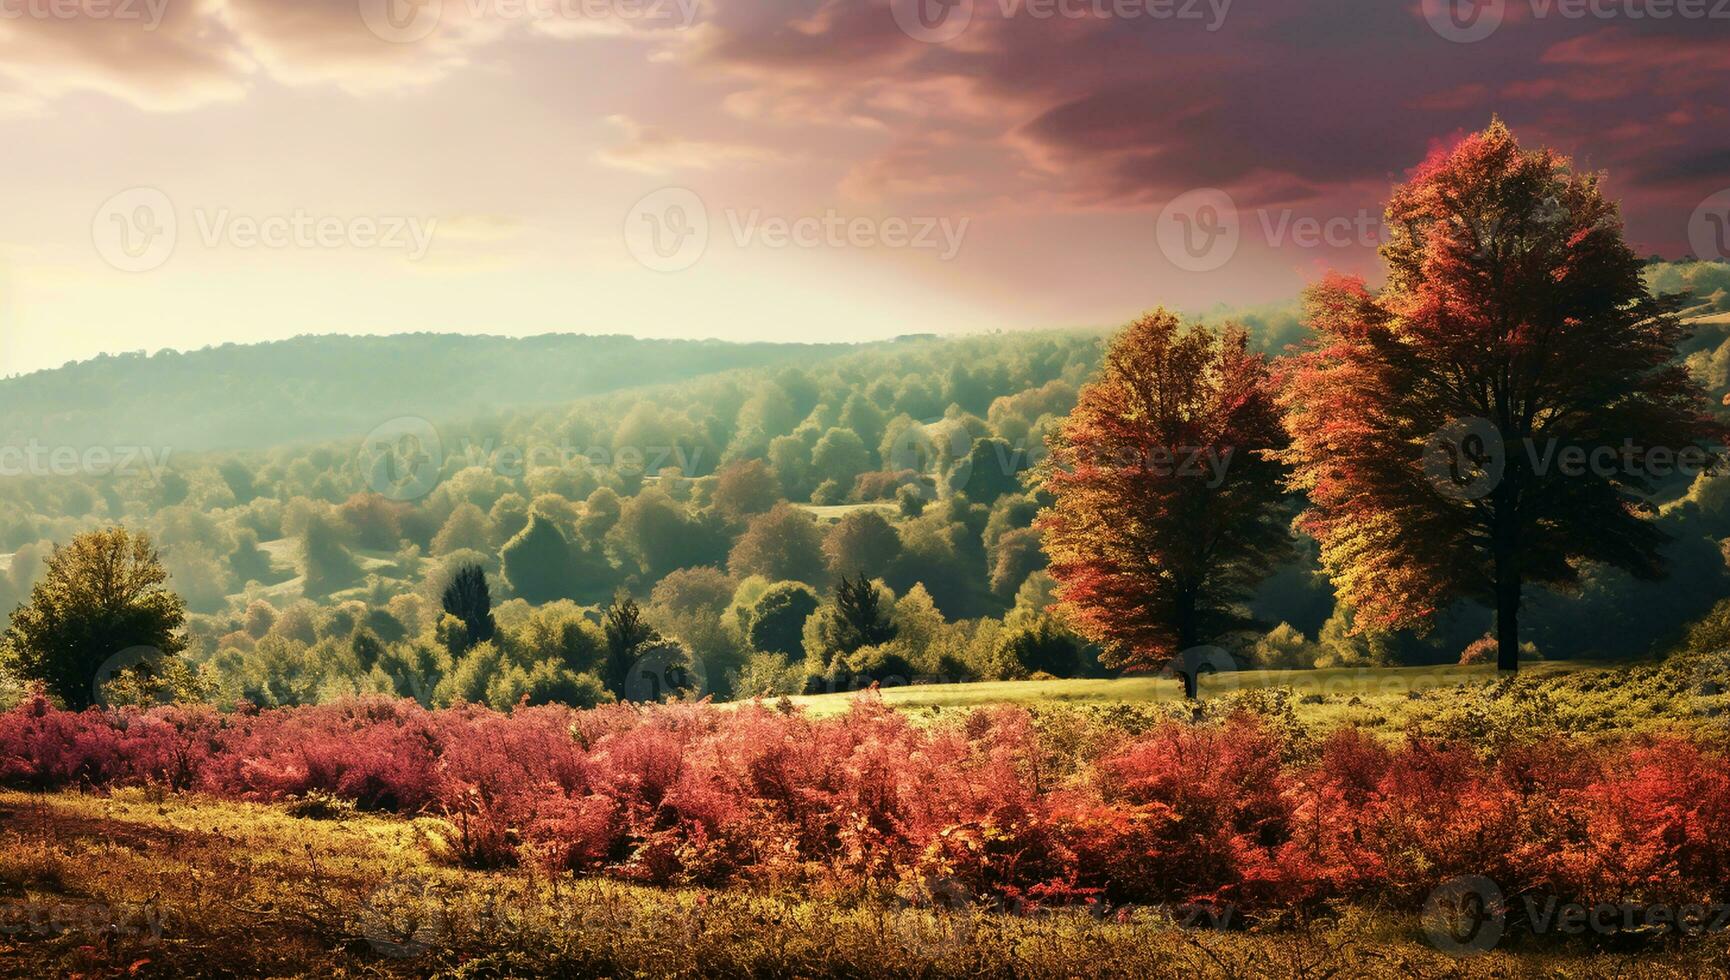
{"x":830,"y":513}
{"x":1315,"y":690}
{"x":146,"y":885}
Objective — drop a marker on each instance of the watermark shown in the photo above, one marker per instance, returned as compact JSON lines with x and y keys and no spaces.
{"x":942,"y":21}
{"x":89,"y":920}
{"x":402,"y":918}
{"x":138,"y":230}
{"x":1469,"y":21}
{"x":35,"y":459}
{"x":1709,"y":228}
{"x":146,"y":13}
{"x":409,"y":21}
{"x":666,"y":670}
{"x":1470,"y":915}
{"x":405,"y":458}
{"x":1201,"y":230}
{"x":133,"y":668}
{"x":1469,"y":458}
{"x":401,"y":460}
{"x":1465,"y":459}
{"x":670,"y":230}
{"x":1209,"y":661}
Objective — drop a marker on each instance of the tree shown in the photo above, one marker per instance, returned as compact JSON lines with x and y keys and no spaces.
{"x":745,"y":489}
{"x":860,"y":615}
{"x":467,"y":527}
{"x":992,"y":469}
{"x":861,"y":541}
{"x":840,"y":456}
{"x":468,"y":599}
{"x":101,"y":596}
{"x":628,"y":635}
{"x":1166,"y":510}
{"x":782,"y":544}
{"x":776,"y":622}
{"x":1432,"y":423}
{"x":324,"y":556}
{"x":537,"y":562}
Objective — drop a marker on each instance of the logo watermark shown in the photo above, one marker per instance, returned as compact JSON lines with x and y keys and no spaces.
{"x":1709,"y":228}
{"x":89,"y":920}
{"x":405,"y":458}
{"x":1470,"y":915}
{"x":942,"y":21}
{"x":147,"y":14}
{"x":1469,"y":458}
{"x":1469,"y":21}
{"x":1201,"y":230}
{"x":32,"y":458}
{"x":410,"y":21}
{"x":669,"y":230}
{"x":138,"y":230}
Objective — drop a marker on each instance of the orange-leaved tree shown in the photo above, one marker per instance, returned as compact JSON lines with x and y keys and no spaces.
{"x":1166,"y":509}
{"x":1495,"y":415}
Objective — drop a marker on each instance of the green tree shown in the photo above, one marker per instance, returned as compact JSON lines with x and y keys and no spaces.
{"x":537,"y":562}
{"x":102,"y":595}
{"x":776,"y":622}
{"x":468,"y":599}
{"x":628,"y":635}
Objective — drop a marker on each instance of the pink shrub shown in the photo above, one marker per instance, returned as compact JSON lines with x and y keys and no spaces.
{"x":968,"y":809}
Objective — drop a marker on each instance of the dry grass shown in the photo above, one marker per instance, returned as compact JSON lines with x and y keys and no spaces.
{"x":144,"y":885}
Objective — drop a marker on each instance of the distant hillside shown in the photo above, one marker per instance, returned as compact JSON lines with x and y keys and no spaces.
{"x":243,"y":396}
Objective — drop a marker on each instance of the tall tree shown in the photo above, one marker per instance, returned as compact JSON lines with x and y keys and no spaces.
{"x":1434,"y":424}
{"x":859,"y":614}
{"x":1166,"y":507}
{"x":628,"y":635}
{"x":100,"y":596}
{"x":468,"y":599}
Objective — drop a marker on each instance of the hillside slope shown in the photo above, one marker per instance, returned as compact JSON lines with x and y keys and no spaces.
{"x":249,"y":396}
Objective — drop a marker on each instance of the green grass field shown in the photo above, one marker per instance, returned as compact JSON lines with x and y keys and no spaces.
{"x":1335,"y":685}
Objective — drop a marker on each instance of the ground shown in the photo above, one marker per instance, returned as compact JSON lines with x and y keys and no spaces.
{"x":143,"y":885}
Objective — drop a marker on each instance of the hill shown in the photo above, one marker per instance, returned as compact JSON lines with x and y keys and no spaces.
{"x":317,"y":387}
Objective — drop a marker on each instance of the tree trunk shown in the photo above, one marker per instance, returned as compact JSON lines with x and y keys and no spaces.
{"x":1508,"y":583}
{"x":1186,"y":644}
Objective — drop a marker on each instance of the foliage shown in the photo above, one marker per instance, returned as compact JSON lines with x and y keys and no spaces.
{"x":1166,"y":510}
{"x":537,"y":562}
{"x":1427,"y":421}
{"x":99,"y":597}
{"x":467,"y":598}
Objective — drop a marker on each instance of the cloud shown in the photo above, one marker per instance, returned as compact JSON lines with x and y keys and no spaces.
{"x":649,"y":149}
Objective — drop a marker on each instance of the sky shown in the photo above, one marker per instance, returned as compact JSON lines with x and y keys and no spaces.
{"x":184,"y":173}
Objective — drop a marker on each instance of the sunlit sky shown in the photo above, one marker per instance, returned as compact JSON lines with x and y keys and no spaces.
{"x":860,"y":178}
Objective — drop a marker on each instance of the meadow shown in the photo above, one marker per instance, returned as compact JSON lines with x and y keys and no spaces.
{"x":1269,"y":830}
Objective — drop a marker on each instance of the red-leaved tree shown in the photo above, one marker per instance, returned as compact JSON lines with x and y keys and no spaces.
{"x":1496,"y":414}
{"x":1166,"y":508}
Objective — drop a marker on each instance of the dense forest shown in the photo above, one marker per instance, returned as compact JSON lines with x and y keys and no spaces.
{"x":772,"y":518}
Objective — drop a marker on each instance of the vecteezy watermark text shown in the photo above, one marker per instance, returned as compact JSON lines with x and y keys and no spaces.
{"x":669,"y":230}
{"x":138,"y":230}
{"x":1469,"y":458}
{"x":409,"y":21}
{"x":35,"y":459}
{"x":941,"y":21}
{"x":147,"y":13}
{"x":405,"y":458}
{"x":1467,"y":21}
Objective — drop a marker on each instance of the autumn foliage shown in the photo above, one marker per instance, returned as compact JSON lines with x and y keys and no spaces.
{"x":985,"y":807}
{"x":1166,"y":507}
{"x":1427,"y":419}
